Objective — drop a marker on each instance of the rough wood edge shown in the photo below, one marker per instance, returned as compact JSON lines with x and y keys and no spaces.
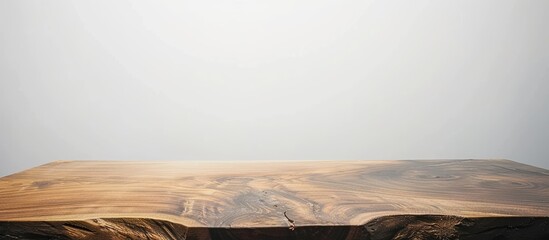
{"x":397,"y":227}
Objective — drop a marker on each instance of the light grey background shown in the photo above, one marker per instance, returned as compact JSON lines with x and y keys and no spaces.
{"x":273,"y":79}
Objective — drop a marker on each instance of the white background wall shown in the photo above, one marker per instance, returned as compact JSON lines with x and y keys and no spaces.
{"x":273,"y":79}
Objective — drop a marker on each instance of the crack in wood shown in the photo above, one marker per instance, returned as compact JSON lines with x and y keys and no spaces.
{"x":291,"y":221}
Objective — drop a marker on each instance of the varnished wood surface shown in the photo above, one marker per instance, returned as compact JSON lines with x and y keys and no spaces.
{"x":79,"y":198}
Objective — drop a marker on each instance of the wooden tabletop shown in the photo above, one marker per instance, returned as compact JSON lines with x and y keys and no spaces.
{"x":269,"y":194}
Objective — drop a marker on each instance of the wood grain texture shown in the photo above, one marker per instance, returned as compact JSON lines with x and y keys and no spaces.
{"x":434,"y":199}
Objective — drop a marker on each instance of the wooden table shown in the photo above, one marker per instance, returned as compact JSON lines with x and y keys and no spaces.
{"x":262,"y":200}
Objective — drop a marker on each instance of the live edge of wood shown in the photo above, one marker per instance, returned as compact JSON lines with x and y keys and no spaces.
{"x":347,"y":200}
